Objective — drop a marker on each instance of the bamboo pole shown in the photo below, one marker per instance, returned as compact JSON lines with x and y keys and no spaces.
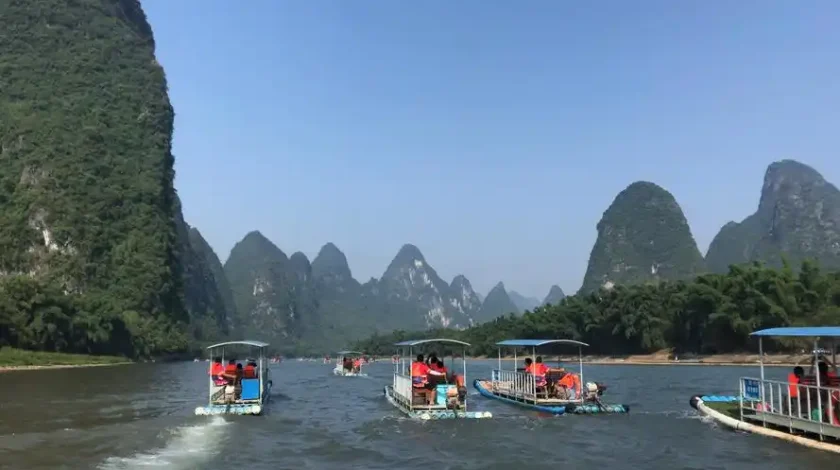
{"x":740,"y":425}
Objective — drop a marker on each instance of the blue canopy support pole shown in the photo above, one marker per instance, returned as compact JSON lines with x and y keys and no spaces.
{"x":464,"y":359}
{"x":261,"y":374}
{"x":817,"y":374}
{"x":761,"y":365}
{"x":761,"y":357}
{"x":533,"y":378}
{"x":411,"y":391}
{"x":580,"y":364}
{"x":499,"y":349}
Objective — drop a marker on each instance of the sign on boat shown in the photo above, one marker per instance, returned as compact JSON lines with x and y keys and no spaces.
{"x":351,"y":358}
{"x":449,"y":396}
{"x":552,"y":390}
{"x":804,"y":410}
{"x":243,"y":391}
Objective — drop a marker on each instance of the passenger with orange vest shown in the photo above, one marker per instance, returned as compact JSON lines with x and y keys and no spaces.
{"x":217,"y":370}
{"x":538,"y":370}
{"x":357,"y":365}
{"x":794,"y":380}
{"x":420,"y":378}
{"x":570,"y":382}
{"x":250,"y":371}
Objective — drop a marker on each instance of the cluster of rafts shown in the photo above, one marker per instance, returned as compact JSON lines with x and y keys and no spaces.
{"x":552,"y":390}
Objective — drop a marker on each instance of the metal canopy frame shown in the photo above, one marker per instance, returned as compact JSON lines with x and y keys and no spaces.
{"x":260,"y":345}
{"x":400,"y":367}
{"x":815,"y":332}
{"x":247,"y":342}
{"x":416,"y":342}
{"x":534,"y":344}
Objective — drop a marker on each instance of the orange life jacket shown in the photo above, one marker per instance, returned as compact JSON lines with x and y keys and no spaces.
{"x":538,"y":369}
{"x":217,"y":369}
{"x":793,"y":385}
{"x":419,"y":374}
{"x":250,"y":372}
{"x":567,"y":381}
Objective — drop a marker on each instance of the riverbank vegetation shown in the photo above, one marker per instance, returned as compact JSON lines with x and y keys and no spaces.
{"x":712,"y":314}
{"x":13,"y":357}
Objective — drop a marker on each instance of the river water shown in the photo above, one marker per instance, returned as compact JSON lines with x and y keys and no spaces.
{"x":141,"y":416}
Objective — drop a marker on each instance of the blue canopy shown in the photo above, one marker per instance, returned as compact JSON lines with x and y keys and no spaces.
{"x":537,"y":342}
{"x":811,"y":331}
{"x":415,"y":342}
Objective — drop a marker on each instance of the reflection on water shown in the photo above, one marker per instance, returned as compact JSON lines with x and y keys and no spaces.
{"x":141,"y":416}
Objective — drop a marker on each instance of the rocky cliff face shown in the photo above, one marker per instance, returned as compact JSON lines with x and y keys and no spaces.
{"x":411,"y":286}
{"x":798,"y":217}
{"x":496,"y":304}
{"x":643,"y":236}
{"x":263,"y":281}
{"x":555,"y":295}
{"x":464,"y":298}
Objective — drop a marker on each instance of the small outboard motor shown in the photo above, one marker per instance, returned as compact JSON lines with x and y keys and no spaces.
{"x":593,"y":390}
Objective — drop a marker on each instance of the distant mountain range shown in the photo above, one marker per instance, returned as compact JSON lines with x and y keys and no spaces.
{"x":314,"y":307}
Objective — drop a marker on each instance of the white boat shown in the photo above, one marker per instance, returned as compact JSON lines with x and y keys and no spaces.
{"x":355,"y":371}
{"x":450,"y":396}
{"x":241,"y":395}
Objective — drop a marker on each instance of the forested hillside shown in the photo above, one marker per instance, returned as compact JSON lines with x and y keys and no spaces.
{"x":88,"y":244}
{"x":714,"y":313}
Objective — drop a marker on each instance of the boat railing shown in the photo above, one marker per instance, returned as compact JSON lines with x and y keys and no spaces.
{"x":402,"y":386}
{"x":515,"y":384}
{"x":815,"y":409}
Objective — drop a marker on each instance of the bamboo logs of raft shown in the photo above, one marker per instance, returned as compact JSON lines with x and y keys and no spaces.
{"x":697,"y":403}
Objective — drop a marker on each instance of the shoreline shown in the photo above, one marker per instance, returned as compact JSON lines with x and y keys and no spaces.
{"x":59,"y":366}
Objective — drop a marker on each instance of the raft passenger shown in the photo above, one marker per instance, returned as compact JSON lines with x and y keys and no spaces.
{"x":794,"y":381}
{"x":217,"y":372}
{"x":250,"y":371}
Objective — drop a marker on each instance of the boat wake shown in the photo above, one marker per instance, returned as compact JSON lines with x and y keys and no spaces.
{"x":187,"y":447}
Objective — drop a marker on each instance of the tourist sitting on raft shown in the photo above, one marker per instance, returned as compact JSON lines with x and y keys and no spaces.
{"x":357,"y":365}
{"x":217,"y":372}
{"x":420,"y":375}
{"x":347,"y":364}
{"x":802,"y":388}
{"x":553,"y":383}
{"x":250,"y":370}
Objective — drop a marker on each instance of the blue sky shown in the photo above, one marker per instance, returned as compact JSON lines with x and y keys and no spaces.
{"x":491,"y":134}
